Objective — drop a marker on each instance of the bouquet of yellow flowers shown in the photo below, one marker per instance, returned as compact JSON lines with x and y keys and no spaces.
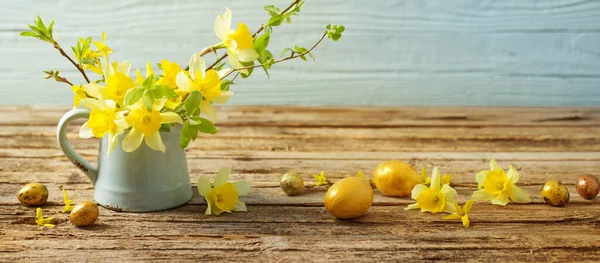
{"x":141,"y":108}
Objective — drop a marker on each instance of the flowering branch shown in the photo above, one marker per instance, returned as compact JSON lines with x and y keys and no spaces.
{"x":79,"y":67}
{"x":293,"y":55}
{"x":262,"y":27}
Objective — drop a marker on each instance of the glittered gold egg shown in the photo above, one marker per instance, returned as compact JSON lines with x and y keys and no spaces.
{"x":349,"y":198}
{"x":395,"y":178}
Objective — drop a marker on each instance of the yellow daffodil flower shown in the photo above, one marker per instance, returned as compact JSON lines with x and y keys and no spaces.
{"x":68,"y":203}
{"x":239,"y":43}
{"x":79,"y":94}
{"x":427,"y":180}
{"x":41,"y":221}
{"x":118,"y":82}
{"x":145,"y":126}
{"x":461,"y":213}
{"x":209,"y":85}
{"x":104,"y":120}
{"x":223,"y":196}
{"x":498,"y":186}
{"x":321,"y":179}
{"x":433,"y":199}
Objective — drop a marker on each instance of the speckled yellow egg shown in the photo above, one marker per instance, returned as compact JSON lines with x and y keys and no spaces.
{"x":349,"y":198}
{"x":84,"y":214}
{"x":395,"y":178}
{"x":291,"y":183}
{"x":555,"y":194}
{"x":33,"y":194}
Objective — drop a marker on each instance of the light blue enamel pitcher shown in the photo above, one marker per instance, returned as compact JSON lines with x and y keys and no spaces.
{"x":141,"y":181}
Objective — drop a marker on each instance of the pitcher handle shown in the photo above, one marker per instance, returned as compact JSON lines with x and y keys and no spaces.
{"x":65,"y":146}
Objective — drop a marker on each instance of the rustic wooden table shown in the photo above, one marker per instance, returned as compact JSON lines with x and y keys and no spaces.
{"x":261,"y":143}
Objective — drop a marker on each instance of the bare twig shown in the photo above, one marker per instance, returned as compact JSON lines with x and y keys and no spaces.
{"x":262,"y":27}
{"x":292,"y":56}
{"x":62,"y":52}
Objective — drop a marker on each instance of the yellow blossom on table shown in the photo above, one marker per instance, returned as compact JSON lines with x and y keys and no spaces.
{"x":499,"y":187}
{"x":321,"y":179}
{"x":208,"y":84}
{"x":435,"y":198}
{"x":68,"y":203}
{"x":105,"y":119}
{"x":145,"y":126}
{"x":462,"y":213}
{"x":239,"y":43}
{"x":223,"y":196}
{"x":41,"y":221}
{"x":79,"y":94}
{"x":427,"y":180}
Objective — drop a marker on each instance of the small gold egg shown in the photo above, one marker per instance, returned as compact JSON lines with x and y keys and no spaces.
{"x":555,"y":194}
{"x":84,"y":214}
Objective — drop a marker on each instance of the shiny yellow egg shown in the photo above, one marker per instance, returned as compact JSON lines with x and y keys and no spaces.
{"x":555,"y":194}
{"x":395,"y":178}
{"x":291,"y":183}
{"x":349,"y":198}
{"x":33,"y":194}
{"x":84,"y":214}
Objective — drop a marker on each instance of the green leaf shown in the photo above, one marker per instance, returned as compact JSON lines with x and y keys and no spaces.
{"x":39,"y":23}
{"x":162,"y":91}
{"x":148,"y":99}
{"x":267,"y":60}
{"x":184,"y":137}
{"x":133,"y":95}
{"x":206,"y":127}
{"x":299,"y":50}
{"x":28,"y":34}
{"x":303,"y":57}
{"x":272,"y":10}
{"x":194,"y":120}
{"x":49,"y":30}
{"x":192,"y":103}
{"x":219,"y":66}
{"x":166,"y":127}
{"x":285,"y":50}
{"x":159,"y":65}
{"x":148,"y":82}
{"x":225,"y":84}
{"x":261,"y":43}
{"x":335,"y":32}
{"x":247,"y":64}
{"x":275,"y":20}
{"x":88,"y":61}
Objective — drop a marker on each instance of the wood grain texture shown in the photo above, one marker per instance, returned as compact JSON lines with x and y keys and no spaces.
{"x":260,"y":143}
{"x":465,"y":52}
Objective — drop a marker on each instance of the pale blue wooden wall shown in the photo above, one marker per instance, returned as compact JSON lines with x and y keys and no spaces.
{"x":394,"y":52}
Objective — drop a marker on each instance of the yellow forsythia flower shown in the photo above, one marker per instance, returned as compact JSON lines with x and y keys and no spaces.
{"x":498,"y":186}
{"x":321,"y":179}
{"x":41,"y":221}
{"x":68,"y":203}
{"x":79,"y":94}
{"x":223,"y":196}
{"x":435,"y":198}
{"x":461,"y":213}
